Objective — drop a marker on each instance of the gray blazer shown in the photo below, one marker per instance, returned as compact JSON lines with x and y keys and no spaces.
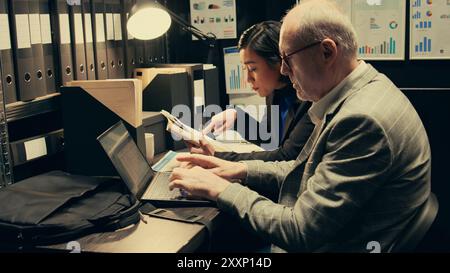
{"x":360,"y":177}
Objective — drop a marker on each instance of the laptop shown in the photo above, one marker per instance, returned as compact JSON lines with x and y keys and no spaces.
{"x":133,"y":168}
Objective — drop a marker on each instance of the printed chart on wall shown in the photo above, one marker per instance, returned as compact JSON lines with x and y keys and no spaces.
{"x":430,"y":29}
{"x":215,"y":16}
{"x":346,"y":7}
{"x":235,"y":74}
{"x":380,"y":26}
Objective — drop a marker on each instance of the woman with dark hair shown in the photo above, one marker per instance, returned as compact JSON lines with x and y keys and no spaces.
{"x":259,"y":53}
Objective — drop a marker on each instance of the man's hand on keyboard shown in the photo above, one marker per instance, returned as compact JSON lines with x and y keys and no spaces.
{"x":208,"y":178}
{"x":198,"y":182}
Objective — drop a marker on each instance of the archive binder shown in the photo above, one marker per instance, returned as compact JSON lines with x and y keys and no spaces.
{"x":77,"y":32}
{"x":98,"y":20}
{"x":148,"y":52}
{"x":110,"y":43}
{"x":62,"y":31}
{"x":23,"y":54}
{"x":47,"y":45}
{"x":140,"y":52}
{"x":6,"y":56}
{"x":130,"y":48}
{"x":38,"y":73}
{"x":118,"y":38}
{"x":88,"y":39}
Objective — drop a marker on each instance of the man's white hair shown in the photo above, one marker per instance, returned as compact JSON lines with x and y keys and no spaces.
{"x":320,"y":19}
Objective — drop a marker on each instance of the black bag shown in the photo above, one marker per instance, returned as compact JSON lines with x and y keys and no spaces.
{"x":57,"y":207}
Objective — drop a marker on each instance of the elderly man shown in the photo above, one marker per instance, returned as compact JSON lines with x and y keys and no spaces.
{"x":362,"y":174}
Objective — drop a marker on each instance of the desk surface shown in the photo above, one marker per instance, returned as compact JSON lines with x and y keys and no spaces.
{"x":153,"y":234}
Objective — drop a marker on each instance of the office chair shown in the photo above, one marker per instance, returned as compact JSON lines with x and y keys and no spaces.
{"x":418,"y":227}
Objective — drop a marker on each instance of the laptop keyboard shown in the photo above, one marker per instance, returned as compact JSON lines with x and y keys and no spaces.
{"x":159,"y":189}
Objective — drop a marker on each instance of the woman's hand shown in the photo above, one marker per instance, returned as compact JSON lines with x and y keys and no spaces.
{"x":205,"y":148}
{"x":221,"y":122}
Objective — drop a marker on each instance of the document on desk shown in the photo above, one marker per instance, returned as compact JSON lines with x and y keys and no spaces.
{"x":226,"y":142}
{"x":242,"y":147}
{"x":233,"y":141}
{"x":189,"y":134}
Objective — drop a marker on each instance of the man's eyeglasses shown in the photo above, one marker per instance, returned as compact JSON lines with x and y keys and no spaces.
{"x":285,"y":57}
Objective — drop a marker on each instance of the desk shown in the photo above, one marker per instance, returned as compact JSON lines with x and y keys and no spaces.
{"x":154,"y":234}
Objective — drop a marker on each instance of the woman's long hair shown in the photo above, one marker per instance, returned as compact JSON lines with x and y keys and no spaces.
{"x":263,"y":39}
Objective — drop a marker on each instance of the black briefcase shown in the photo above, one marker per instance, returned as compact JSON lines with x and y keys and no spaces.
{"x":58,"y":207}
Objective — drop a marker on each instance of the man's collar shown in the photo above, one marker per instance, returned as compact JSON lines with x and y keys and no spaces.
{"x":359,"y":77}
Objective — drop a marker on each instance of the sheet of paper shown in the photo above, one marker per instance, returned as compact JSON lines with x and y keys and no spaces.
{"x":215,"y":16}
{"x":235,"y":73}
{"x":35,"y":148}
{"x":380,"y":27}
{"x":230,"y":136}
{"x":429,"y":29}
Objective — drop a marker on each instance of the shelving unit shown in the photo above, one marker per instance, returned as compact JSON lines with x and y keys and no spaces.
{"x":15,"y":112}
{"x":5,"y":158}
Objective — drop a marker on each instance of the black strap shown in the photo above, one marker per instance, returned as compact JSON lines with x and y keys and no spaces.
{"x":151,"y":210}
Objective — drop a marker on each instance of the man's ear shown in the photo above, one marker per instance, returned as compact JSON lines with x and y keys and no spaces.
{"x":329,"y":48}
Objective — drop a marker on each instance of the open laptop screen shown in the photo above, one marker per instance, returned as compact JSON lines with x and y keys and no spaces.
{"x":126,"y":157}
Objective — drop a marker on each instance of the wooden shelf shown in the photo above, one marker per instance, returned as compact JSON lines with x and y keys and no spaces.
{"x":20,"y":110}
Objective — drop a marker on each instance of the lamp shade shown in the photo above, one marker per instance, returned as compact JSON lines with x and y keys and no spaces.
{"x":148,"y":21}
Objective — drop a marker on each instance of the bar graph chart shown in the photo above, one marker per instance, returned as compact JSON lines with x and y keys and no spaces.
{"x":417,"y":3}
{"x":423,"y":24}
{"x":417,"y":15}
{"x":424,"y":46}
{"x":237,"y":79}
{"x":235,"y":74}
{"x":387,"y":47}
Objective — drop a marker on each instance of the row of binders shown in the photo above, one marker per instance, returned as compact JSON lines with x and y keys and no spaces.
{"x":47,"y":43}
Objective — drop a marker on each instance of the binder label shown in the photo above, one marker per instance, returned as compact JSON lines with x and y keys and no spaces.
{"x":35,"y":148}
{"x":73,"y":2}
{"x":130,"y":36}
{"x":23,"y":31}
{"x":46,"y":31}
{"x":5,"y":40}
{"x":64,"y":29}
{"x":88,"y":27}
{"x":117,"y":27}
{"x":109,"y":26}
{"x":100,"y":27}
{"x":35,"y":29}
{"x":79,"y":39}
